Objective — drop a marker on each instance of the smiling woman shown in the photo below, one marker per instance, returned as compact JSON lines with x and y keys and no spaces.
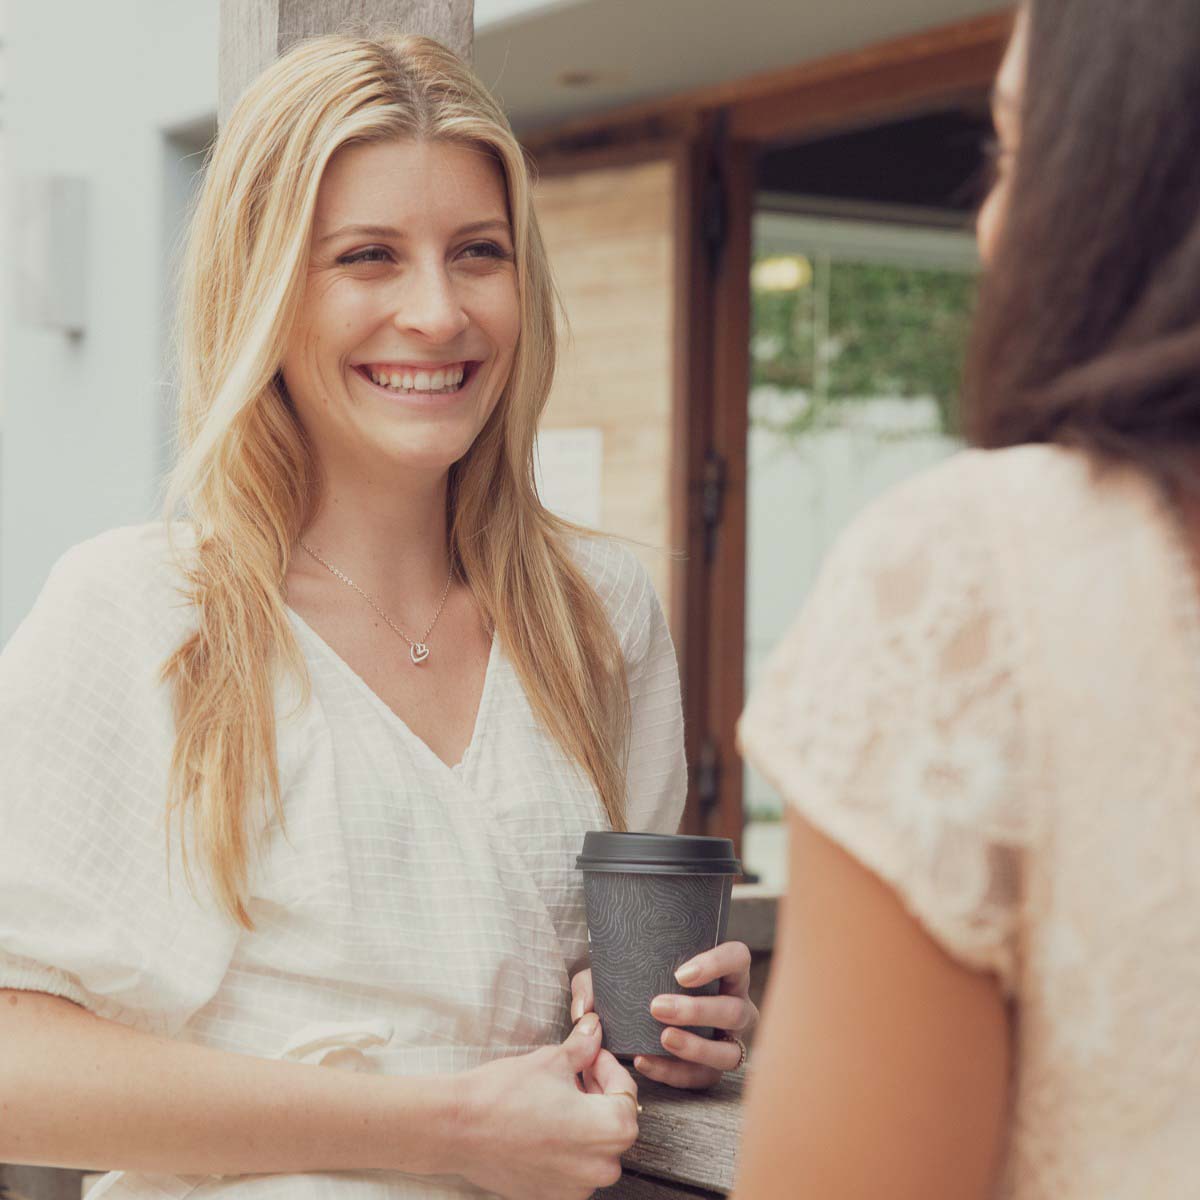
{"x":406,"y":335}
{"x":363,"y":679}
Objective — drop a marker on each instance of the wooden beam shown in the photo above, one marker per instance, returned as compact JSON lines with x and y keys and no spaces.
{"x":255,"y":32}
{"x":726,"y":628}
{"x":904,"y":74}
{"x":899,"y":78}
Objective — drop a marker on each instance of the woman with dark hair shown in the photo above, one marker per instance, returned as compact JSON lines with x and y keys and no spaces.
{"x":987,"y":720}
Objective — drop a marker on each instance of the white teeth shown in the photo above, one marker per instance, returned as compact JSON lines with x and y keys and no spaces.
{"x":444,"y":379}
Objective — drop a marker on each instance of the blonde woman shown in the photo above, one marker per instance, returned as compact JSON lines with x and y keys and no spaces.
{"x":301,"y":776}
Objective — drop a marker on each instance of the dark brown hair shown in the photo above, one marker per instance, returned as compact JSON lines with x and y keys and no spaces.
{"x":1088,"y":327}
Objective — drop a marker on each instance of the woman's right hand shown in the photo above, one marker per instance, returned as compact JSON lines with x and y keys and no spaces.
{"x":530,"y":1131}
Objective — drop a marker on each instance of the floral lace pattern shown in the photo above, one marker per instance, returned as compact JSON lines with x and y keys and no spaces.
{"x":992,"y":699}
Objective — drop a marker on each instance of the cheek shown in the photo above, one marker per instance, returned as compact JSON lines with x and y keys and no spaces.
{"x":502,"y":317}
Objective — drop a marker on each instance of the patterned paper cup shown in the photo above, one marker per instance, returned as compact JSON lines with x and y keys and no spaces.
{"x":653,"y":902}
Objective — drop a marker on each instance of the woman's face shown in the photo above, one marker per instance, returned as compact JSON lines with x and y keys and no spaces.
{"x":1006,"y":115}
{"x":410,"y":316}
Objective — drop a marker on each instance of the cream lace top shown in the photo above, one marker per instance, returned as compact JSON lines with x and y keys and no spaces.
{"x":413,"y":918}
{"x":992,"y":699}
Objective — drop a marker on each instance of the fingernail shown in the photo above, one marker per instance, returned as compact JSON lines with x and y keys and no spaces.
{"x":588,"y":1025}
{"x":575,"y":1011}
{"x":687,"y":973}
{"x":672,"y":1037}
{"x":663,"y":1006}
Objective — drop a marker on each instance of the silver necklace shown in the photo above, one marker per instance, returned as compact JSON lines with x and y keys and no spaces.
{"x":418,"y":651}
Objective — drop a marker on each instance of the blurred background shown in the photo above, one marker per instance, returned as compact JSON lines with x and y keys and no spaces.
{"x":760,"y":216}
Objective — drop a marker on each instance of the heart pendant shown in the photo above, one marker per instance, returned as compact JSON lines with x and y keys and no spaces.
{"x":418,"y":652}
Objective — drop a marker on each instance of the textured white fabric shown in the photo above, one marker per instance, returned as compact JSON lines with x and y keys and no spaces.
{"x":415,"y":918}
{"x":992,"y":699}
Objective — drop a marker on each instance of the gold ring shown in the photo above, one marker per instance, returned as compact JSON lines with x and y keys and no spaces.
{"x":725,"y":1036}
{"x":741,"y":1062}
{"x":631,"y":1097}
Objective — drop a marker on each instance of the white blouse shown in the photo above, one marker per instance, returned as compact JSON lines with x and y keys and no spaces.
{"x":411,"y":918}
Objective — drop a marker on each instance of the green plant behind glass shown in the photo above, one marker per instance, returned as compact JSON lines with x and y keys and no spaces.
{"x":856,"y":331}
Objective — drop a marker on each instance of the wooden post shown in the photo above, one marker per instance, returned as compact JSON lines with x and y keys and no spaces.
{"x":255,"y":32}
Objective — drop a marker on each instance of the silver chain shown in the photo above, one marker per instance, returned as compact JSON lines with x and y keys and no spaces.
{"x":418,"y":650}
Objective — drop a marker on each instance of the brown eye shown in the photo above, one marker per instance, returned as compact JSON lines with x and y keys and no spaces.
{"x":486,"y":250}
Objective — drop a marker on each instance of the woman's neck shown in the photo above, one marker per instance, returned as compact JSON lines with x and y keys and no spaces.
{"x":392,"y":541}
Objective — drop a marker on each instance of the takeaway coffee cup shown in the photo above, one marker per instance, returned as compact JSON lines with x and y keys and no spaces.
{"x":653,"y":901}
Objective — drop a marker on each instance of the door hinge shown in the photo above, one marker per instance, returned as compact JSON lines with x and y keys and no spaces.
{"x":708,"y":779}
{"x":712,"y":501}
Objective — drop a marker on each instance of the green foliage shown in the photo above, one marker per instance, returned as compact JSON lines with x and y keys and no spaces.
{"x":861,"y":330}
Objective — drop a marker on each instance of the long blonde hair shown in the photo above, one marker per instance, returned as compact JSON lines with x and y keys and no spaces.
{"x":248,"y":483}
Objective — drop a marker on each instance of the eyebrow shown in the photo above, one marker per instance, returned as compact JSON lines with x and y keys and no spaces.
{"x":390,"y":231}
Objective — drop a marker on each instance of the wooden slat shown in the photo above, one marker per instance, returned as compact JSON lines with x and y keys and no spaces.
{"x":689,"y":1137}
{"x":692,"y":433}
{"x":253,"y":33}
{"x":725,"y":680}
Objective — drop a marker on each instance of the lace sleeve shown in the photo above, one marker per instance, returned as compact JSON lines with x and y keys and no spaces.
{"x":890,"y":717}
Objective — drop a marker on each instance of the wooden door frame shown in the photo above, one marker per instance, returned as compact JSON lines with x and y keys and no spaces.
{"x":715,"y":136}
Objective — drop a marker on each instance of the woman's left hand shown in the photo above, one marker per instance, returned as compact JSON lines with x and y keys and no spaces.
{"x":695,"y":1062}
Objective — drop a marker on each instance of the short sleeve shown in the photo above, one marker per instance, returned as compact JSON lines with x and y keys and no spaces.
{"x":656,"y":775}
{"x":890,"y":715}
{"x":656,"y":768}
{"x":94,"y":903}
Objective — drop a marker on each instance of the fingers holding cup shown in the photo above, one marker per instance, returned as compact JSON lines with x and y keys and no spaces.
{"x":675,"y":1073}
{"x":709,"y":1012}
{"x":729,"y":962}
{"x":583,"y":999}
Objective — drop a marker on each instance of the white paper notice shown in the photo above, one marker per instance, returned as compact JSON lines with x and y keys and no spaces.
{"x":569,"y":464}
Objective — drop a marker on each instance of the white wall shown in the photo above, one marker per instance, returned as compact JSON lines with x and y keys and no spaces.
{"x":94,"y":91}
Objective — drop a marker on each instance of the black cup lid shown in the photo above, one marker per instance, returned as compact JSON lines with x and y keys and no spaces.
{"x":657,"y":853}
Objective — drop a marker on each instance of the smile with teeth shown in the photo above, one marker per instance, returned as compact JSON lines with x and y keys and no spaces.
{"x":423,"y":381}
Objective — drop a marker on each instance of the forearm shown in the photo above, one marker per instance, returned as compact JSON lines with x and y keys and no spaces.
{"x":78,"y":1091}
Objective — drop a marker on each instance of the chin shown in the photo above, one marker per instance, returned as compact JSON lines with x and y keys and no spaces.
{"x":430,"y":458}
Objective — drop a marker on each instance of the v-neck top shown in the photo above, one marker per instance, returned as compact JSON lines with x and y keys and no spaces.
{"x":410,"y":917}
{"x":321,"y":648}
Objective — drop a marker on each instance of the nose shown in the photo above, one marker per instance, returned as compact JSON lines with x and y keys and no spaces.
{"x":428,"y":305}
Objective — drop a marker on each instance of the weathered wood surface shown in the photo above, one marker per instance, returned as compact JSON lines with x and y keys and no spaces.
{"x":255,"y":32}
{"x":687,"y":1138}
{"x":639,"y":1187}
{"x":38,"y":1183}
